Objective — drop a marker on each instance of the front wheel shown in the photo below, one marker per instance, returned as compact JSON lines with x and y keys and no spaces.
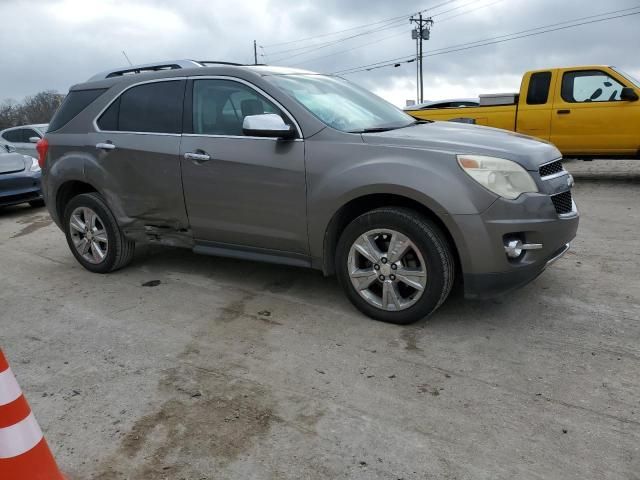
{"x":395,"y":265}
{"x":93,"y":234}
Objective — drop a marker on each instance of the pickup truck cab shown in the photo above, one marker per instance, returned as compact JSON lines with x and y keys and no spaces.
{"x":588,"y":111}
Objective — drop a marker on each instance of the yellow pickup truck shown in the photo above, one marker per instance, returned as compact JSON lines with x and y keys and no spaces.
{"x":589,"y":111}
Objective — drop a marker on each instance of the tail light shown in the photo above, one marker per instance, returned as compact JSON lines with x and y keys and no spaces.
{"x":42,"y":147}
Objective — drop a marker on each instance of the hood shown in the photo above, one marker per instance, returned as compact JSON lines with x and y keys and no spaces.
{"x":457,"y":138}
{"x":12,"y":162}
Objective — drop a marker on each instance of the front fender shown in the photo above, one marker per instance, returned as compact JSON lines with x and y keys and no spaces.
{"x":431,"y":178}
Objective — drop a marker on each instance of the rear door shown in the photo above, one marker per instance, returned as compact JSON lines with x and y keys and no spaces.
{"x":534,"y":106}
{"x":138,"y":145}
{"x":251,"y":191}
{"x":590,"y":118}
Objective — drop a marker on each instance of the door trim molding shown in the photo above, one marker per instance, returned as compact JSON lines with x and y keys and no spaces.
{"x":243,"y":252}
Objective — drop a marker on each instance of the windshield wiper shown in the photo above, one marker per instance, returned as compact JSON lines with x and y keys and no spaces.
{"x":386,"y":129}
{"x":373,"y":130}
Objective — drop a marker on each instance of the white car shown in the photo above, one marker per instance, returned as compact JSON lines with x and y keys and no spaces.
{"x":25,"y":137}
{"x":449,"y":103}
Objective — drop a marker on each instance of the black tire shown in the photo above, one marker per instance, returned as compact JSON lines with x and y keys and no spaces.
{"x":120,"y":251}
{"x":434,"y":248}
{"x":37,"y":203}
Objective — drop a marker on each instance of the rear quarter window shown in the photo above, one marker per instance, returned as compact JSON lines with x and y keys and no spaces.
{"x":539,"y":84}
{"x":75,"y":102}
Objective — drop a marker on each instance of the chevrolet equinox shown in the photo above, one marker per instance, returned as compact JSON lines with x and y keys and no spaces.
{"x":292,"y":167}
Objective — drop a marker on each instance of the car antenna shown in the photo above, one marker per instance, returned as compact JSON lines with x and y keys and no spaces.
{"x":125,"y":56}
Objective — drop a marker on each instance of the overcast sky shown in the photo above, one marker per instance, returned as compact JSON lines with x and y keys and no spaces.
{"x":52,"y":44}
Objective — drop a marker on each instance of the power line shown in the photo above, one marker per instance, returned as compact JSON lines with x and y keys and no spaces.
{"x":340,"y":52}
{"x":539,"y":28}
{"x":468,"y":11}
{"x":490,"y":41}
{"x":319,"y":46}
{"x":357,"y":27}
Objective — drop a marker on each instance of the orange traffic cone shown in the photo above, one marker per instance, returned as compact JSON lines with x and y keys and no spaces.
{"x":24,"y":453}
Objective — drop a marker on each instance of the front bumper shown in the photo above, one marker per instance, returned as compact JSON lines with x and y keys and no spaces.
{"x":489,"y":285}
{"x":486,"y":269}
{"x":20,"y":187}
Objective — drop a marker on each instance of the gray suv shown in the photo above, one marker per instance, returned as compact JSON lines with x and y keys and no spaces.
{"x":293,"y":167}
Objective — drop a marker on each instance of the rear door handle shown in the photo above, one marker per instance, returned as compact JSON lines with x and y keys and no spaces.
{"x":563,"y":112}
{"x":197,"y":157}
{"x":105,"y":146}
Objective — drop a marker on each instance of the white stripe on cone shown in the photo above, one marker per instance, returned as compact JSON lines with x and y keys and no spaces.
{"x":20,"y":437}
{"x":9,"y":388}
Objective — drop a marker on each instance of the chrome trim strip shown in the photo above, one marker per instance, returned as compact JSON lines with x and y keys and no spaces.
{"x":549,"y":162}
{"x":559,"y":255}
{"x":273,"y":139}
{"x":573,"y":212}
{"x":554,"y":175}
{"x":197,"y":77}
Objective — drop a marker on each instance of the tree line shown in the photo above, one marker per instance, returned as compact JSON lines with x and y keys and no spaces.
{"x":38,"y":108}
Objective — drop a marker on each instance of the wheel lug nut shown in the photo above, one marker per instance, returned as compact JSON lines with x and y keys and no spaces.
{"x":383,"y":260}
{"x":392,"y":277}
{"x":376,"y":267}
{"x":394,"y":266}
{"x":381,"y":277}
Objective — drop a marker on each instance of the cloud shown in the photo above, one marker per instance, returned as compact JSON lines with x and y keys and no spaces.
{"x":53,"y":44}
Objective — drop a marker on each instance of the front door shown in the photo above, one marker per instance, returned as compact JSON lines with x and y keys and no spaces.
{"x":589,"y":117}
{"x":242,"y":191}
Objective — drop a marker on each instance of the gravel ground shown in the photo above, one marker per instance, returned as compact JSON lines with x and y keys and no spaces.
{"x":192,"y":367}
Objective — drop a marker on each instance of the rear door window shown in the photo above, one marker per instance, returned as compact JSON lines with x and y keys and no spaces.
{"x":539,"y":84}
{"x":150,"y":108}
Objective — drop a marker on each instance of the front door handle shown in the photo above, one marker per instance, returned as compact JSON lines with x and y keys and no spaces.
{"x":563,"y":112}
{"x":197,"y":157}
{"x":105,"y":146}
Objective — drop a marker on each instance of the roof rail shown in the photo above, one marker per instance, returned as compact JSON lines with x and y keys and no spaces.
{"x":157,"y":66}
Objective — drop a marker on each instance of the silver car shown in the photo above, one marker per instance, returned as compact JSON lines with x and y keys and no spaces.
{"x":19,"y":178}
{"x":293,"y":167}
{"x":448,"y":103}
{"x":25,"y":137}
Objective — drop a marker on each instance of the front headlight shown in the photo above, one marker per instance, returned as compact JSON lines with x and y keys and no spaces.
{"x":32,"y":164}
{"x":502,"y":177}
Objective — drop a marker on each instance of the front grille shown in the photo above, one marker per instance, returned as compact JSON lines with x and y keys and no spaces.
{"x":551,"y":168}
{"x":562,"y":202}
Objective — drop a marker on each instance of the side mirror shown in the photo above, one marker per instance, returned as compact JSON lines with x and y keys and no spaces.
{"x":267,"y":125}
{"x":34,"y":139}
{"x":628,"y":94}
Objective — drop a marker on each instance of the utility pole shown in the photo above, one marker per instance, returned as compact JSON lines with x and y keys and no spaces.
{"x":255,"y":53}
{"x":420,"y":33}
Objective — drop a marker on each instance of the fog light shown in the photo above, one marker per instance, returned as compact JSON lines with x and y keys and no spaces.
{"x":515,"y":247}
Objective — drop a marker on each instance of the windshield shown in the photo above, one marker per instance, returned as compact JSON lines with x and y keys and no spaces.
{"x":628,"y":77}
{"x":342,"y":105}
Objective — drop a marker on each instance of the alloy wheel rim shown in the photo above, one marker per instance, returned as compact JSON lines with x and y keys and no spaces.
{"x":387,"y":269}
{"x":89,"y":235}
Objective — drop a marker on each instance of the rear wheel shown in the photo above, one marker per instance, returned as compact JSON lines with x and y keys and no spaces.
{"x":93,"y":235}
{"x":395,"y":265}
